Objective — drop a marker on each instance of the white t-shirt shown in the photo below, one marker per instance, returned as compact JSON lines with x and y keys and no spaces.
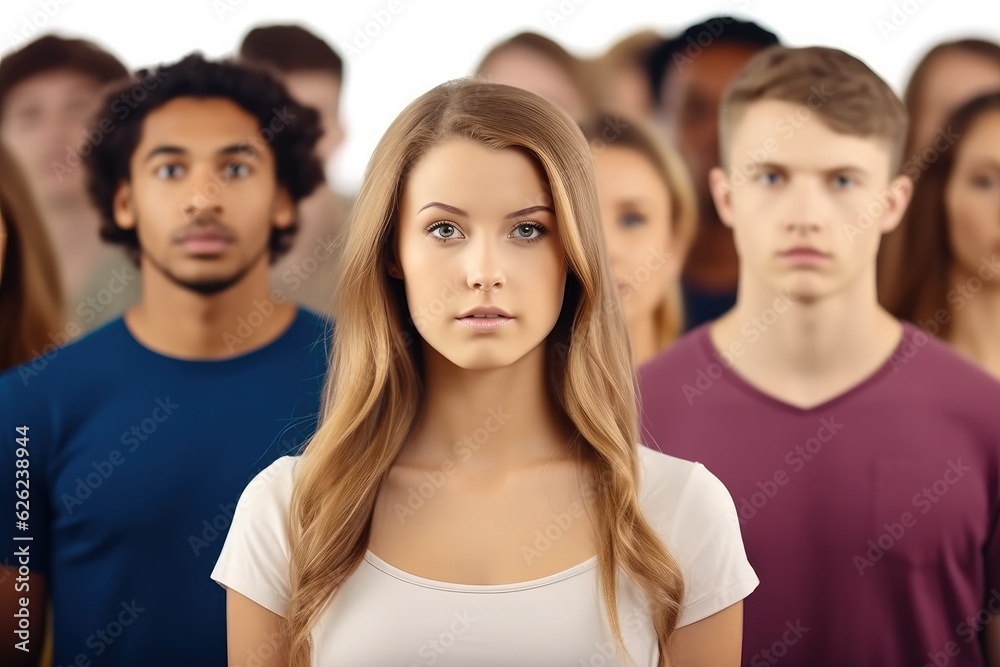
{"x":384,"y":616}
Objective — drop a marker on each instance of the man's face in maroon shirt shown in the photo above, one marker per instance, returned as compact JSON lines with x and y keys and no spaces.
{"x":807,"y":205}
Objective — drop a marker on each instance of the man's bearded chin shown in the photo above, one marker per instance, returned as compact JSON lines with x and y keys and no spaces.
{"x":205,"y":287}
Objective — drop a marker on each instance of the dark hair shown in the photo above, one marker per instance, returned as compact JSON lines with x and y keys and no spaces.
{"x":915,"y":287}
{"x":31,"y":306}
{"x":720,"y":30}
{"x":290,"y":48}
{"x":52,"y":53}
{"x":254,"y":90}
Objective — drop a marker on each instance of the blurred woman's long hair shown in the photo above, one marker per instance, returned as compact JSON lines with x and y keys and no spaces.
{"x":635,"y":134}
{"x":31,"y":305}
{"x":373,"y":390}
{"x":915,"y":287}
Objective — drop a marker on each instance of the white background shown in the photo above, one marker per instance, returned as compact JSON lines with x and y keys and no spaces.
{"x":427,"y":42}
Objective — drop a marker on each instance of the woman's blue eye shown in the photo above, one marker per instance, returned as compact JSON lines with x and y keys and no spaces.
{"x":770,"y":177}
{"x":632,"y":219}
{"x":447,"y":231}
{"x":843,"y":181}
{"x":169,"y":171}
{"x":526,"y":232}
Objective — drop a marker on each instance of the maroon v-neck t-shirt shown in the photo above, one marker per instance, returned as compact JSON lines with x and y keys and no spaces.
{"x":872,"y":520}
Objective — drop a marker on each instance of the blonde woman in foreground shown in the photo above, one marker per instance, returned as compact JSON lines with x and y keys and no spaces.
{"x":475,"y":494}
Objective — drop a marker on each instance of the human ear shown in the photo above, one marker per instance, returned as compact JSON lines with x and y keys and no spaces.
{"x":283,"y":210}
{"x":123,"y":207}
{"x":722,"y":195}
{"x":900,"y":194}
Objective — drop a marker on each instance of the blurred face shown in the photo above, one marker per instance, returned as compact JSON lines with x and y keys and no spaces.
{"x":476,"y":230}
{"x":630,"y":91}
{"x":203,"y":195}
{"x":321,"y":91}
{"x":635,"y":210}
{"x":692,"y":95}
{"x":807,"y":212}
{"x":44,"y":122}
{"x":972,"y":197}
{"x":954,"y":78}
{"x":531,"y":71}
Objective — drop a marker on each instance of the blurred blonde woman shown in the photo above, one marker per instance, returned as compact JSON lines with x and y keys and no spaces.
{"x":649,"y":212}
{"x":475,"y":494}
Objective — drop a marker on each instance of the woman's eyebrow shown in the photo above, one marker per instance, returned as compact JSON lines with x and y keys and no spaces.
{"x":529,"y":210}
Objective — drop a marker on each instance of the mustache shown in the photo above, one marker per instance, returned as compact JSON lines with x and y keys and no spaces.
{"x":203,"y":222}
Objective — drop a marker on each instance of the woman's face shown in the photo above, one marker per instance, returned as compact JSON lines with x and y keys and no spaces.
{"x":477,"y":229}
{"x":954,"y":78}
{"x":636,"y":212}
{"x":972,"y":201}
{"x":531,"y":71}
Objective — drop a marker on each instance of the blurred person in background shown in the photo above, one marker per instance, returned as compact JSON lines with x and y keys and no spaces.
{"x":142,"y":434}
{"x":949,"y":283}
{"x":313,"y":72}
{"x":623,"y":71}
{"x":31,"y":307}
{"x":649,"y":213}
{"x":49,"y":90}
{"x":539,"y":65}
{"x":863,"y":455}
{"x":951,"y":74}
{"x":688,"y":75}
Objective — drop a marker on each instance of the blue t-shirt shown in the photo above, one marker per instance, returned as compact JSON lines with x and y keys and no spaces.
{"x":135,"y":463}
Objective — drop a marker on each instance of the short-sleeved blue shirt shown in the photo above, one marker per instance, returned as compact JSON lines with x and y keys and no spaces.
{"x":135,"y":463}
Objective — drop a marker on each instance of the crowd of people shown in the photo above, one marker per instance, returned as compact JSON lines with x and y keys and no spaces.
{"x":672,"y":356}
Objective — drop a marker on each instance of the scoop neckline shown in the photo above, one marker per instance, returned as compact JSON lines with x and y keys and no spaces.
{"x":416,"y":580}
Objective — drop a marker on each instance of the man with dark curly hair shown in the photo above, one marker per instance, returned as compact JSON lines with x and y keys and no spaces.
{"x":137,"y":440}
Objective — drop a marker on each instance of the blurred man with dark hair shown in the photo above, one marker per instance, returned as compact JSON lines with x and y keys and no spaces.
{"x":48,"y":92}
{"x":688,"y":75}
{"x":139,"y":438}
{"x":314,"y":75}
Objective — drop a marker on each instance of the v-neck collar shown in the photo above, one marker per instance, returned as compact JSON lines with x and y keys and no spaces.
{"x":707,"y":347}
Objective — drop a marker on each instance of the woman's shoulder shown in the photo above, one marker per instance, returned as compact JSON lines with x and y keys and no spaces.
{"x":678,"y":495}
{"x":273,"y":483}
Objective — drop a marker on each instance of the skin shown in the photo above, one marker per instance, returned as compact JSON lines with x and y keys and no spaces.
{"x":183,"y":146}
{"x":472,"y":529}
{"x":188,"y":146}
{"x":531,"y":71}
{"x":321,"y":91}
{"x":635,"y":211}
{"x":45,"y":120}
{"x":691,"y":97}
{"x":972,"y":204}
{"x":808,"y":192}
{"x":955,"y":77}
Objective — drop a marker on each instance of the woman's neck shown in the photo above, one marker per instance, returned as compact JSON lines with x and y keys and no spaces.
{"x":493,"y":420}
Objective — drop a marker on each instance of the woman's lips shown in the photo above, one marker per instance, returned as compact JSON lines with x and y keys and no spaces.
{"x":489,"y":323}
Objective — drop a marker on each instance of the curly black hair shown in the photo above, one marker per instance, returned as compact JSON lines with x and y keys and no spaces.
{"x":118,"y":129}
{"x":718,"y":30}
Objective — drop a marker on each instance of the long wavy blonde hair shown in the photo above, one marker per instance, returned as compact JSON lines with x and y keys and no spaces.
{"x":373,"y":388}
